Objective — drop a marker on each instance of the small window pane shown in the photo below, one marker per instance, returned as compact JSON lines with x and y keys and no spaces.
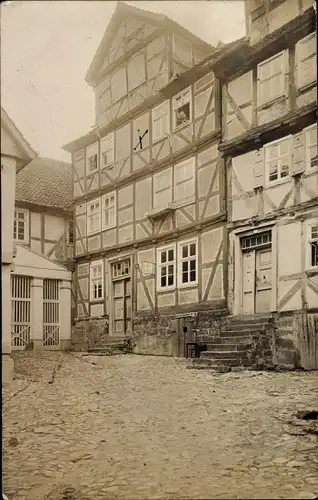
{"x":192,"y":275}
{"x":163,"y":281}
{"x":184,"y":266}
{"x":170,"y":255}
{"x":163,"y":257}
{"x":192,"y":249}
{"x":170,"y":280}
{"x":185,"y":251}
{"x":192,"y":265}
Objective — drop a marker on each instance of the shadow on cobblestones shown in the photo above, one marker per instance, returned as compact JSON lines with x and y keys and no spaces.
{"x":142,"y":427}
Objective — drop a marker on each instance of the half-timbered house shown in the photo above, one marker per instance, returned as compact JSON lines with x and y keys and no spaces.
{"x":149,"y":186}
{"x":269,"y":141}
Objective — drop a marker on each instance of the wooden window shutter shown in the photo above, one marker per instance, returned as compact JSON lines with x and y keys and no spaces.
{"x":259,"y":168}
{"x":306,"y":61}
{"x":298,"y":163}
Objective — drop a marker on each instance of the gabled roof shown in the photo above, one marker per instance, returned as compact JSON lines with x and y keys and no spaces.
{"x":28,"y":153}
{"x":121,"y":11}
{"x":31,"y":263}
{"x":45,"y":182}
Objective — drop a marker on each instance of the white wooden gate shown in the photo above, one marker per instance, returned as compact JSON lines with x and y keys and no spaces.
{"x":51,"y":313}
{"x":20,"y":311}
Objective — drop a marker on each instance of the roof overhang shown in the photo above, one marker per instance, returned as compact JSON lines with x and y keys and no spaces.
{"x":28,"y":154}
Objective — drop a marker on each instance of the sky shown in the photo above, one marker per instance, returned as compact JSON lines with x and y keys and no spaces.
{"x":47,"y":47}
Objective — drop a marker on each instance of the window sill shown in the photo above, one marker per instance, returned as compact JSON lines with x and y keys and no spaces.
{"x":166,"y":289}
{"x":268,"y":104}
{"x":182,"y":126}
{"x":284,"y":180}
{"x":312,"y":271}
{"x":182,"y":286}
{"x":97,"y":301}
{"x":108,"y":227}
{"x":93,"y":233}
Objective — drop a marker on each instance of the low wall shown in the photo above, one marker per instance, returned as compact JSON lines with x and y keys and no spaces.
{"x":88,"y":332}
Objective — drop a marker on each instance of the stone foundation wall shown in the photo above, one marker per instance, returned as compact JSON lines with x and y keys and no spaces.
{"x":88,"y":332}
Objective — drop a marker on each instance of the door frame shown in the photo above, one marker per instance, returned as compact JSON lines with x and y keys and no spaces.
{"x":109,"y":288}
{"x":238,"y":264}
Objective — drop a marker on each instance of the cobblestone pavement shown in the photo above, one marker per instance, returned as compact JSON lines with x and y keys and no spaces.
{"x":78,"y":428}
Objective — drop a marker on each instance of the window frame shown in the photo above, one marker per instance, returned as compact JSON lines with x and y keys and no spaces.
{"x":181,"y":259}
{"x":310,"y":241}
{"x":159,"y":266}
{"x":26,"y":221}
{"x":105,"y":140}
{"x":306,"y":131}
{"x":155,"y":110}
{"x":175,"y":97}
{"x":104,"y":197}
{"x":185,"y":200}
{"x":282,"y":94}
{"x":89,"y":230}
{"x":70,"y":231}
{"x":266,"y":148}
{"x":95,"y":264}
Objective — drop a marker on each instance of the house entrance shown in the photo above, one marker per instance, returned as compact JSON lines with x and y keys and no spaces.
{"x":121,"y":283}
{"x":256,"y":273}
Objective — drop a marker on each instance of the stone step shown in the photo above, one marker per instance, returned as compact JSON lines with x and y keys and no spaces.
{"x":229,"y":347}
{"x":241,"y":332}
{"x":220,"y":365}
{"x":246,"y":327}
{"x":233,"y":355}
{"x":251,"y":319}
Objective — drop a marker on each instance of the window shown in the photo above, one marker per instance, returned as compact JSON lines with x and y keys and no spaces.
{"x":121,"y":269}
{"x":187,"y":263}
{"x":184,"y":180}
{"x":256,"y":241}
{"x":311,"y":147}
{"x":271,"y":79}
{"x":107,"y":151}
{"x":109,"y":210}
{"x":306,"y":61}
{"x":160,"y":121}
{"x":182,"y":108}
{"x":136,"y":71}
{"x":162,"y":189}
{"x":70,"y":232}
{"x":92,"y":162}
{"x":97,"y":282}
{"x":313,"y":235}
{"x":166,"y":268}
{"x":277,"y":159}
{"x":21,"y":226}
{"x":93,"y":217}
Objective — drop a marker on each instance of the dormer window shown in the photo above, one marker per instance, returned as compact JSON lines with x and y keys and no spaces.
{"x":182,"y":109}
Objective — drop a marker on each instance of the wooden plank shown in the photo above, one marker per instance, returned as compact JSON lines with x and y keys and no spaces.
{"x":145,"y":287}
{"x":289,"y":294}
{"x":207,"y":111}
{"x":286,"y":198}
{"x":213,"y":271}
{"x":208,"y":196}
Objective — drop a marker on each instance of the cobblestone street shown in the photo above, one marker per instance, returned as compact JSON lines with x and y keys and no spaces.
{"x":142,"y":427}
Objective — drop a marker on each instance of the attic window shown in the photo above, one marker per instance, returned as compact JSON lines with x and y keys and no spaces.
{"x":182,"y":108}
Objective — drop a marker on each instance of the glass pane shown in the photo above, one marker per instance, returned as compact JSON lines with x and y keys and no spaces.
{"x":284,"y":148}
{"x":185,"y":251}
{"x":284,"y":169}
{"x":170,"y":255}
{"x":185,"y":266}
{"x":170,"y":270}
{"x":273,"y":152}
{"x":192,"y":276}
{"x":163,"y":281}
{"x":163,"y":257}
{"x":192,"y":249}
{"x":182,"y":114}
{"x":192,"y":265}
{"x":163,"y":271}
{"x":185,"y":278}
{"x":170,"y":280}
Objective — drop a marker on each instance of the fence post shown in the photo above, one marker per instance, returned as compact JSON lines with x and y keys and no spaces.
{"x":37,"y":313}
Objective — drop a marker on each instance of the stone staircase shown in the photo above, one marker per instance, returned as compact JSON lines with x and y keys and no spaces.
{"x":111,"y":346}
{"x":245,"y":342}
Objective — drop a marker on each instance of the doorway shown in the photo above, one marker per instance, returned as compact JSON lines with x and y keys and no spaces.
{"x":256,"y":273}
{"x":122,"y":299}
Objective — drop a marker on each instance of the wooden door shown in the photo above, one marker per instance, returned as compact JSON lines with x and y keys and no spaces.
{"x":122,"y":307}
{"x":248,"y":281}
{"x":263,"y":280}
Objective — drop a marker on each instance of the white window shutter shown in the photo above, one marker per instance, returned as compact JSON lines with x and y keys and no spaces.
{"x":259,"y":168}
{"x":298,"y":163}
{"x":306,"y":61}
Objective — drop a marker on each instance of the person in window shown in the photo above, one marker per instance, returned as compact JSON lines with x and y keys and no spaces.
{"x":181,"y":117}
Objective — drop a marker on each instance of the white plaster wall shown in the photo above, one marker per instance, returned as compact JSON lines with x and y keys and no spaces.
{"x":8,"y":176}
